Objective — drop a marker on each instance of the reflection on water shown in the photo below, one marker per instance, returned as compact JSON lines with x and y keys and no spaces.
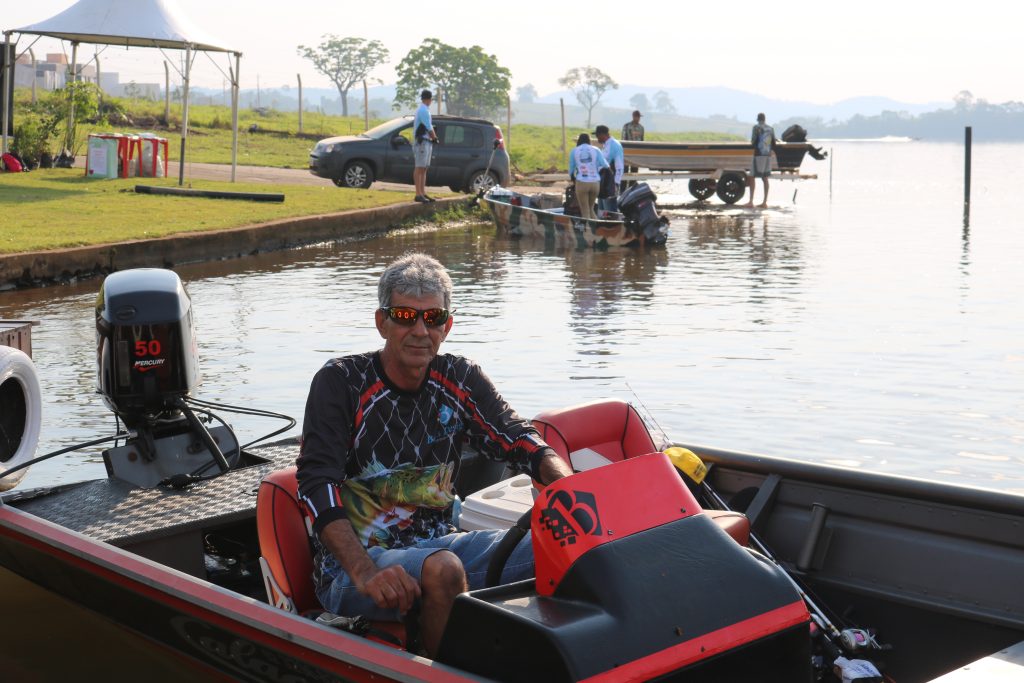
{"x":873,"y":330}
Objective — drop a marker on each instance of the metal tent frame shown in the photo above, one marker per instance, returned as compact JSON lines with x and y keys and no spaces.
{"x":130,"y":23}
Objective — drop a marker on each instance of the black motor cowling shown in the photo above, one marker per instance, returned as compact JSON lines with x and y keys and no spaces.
{"x":638,"y":206}
{"x":145,"y":342}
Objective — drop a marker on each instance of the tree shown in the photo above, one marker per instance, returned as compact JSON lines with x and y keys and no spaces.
{"x":346,"y":61}
{"x":589,"y":84}
{"x":526,"y":94}
{"x":639,"y":101}
{"x":963,"y":100}
{"x":469,"y":81}
{"x":663,"y":103}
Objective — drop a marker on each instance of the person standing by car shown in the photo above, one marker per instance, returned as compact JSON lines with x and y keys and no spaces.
{"x":762,"y":137}
{"x":632,"y":132}
{"x":423,"y":130}
{"x":585,"y":164}
{"x":381,"y":442}
{"x":616,"y":161}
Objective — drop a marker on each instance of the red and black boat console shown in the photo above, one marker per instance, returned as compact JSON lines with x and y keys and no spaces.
{"x":634,"y":582}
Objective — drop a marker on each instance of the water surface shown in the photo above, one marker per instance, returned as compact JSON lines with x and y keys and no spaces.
{"x":856,"y":322}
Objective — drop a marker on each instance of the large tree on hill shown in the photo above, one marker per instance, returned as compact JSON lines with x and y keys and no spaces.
{"x":469,"y":81}
{"x":346,"y":61}
{"x":589,"y":84}
{"x":526,"y":94}
{"x":640,"y":102}
{"x":663,"y":103}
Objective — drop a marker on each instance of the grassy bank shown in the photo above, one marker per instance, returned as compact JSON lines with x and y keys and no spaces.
{"x":58,"y":208}
{"x":272,"y":138}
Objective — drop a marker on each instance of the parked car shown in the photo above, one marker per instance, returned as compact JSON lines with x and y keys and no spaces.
{"x":471,"y":155}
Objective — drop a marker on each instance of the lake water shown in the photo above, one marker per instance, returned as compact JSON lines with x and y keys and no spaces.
{"x":856,"y":322}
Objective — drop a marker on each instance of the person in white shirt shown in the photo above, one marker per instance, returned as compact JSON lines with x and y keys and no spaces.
{"x":585,"y":163}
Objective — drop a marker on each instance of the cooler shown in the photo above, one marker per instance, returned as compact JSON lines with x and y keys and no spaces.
{"x":498,"y":506}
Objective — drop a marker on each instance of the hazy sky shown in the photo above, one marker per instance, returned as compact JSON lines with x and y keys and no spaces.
{"x":820,"y":51}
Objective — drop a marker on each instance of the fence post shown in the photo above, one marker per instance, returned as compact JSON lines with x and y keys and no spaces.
{"x":561,"y":103}
{"x":299,"y":76}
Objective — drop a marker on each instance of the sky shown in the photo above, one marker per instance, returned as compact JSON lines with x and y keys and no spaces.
{"x":817,"y":51}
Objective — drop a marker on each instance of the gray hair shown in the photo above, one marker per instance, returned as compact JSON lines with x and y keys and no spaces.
{"x":414,"y":274}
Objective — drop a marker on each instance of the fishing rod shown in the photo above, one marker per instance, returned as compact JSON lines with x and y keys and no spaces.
{"x":486,"y":174}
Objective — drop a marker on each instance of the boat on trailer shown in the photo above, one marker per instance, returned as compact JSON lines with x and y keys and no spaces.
{"x":649,"y":564}
{"x":720,"y":168}
{"x":543,"y":215}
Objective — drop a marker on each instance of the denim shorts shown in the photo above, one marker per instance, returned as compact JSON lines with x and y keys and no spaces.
{"x":473,"y":548}
{"x":421,"y":153}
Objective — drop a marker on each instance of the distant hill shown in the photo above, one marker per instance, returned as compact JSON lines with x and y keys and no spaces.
{"x":716,"y":110}
{"x":730,"y":103}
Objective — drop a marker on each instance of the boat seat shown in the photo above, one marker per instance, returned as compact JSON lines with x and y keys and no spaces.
{"x":594,"y":434}
{"x":285,"y":536}
{"x":601,"y":432}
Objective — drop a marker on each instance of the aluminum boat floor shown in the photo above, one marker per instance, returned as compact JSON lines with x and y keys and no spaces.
{"x":121,"y":514}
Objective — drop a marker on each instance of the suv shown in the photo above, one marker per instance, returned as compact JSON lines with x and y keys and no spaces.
{"x":471,"y":155}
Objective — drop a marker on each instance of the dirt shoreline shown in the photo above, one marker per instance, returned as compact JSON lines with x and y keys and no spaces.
{"x":57,"y":266}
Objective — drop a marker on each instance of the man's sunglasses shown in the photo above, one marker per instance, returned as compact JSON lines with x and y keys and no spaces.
{"x":407,"y":315}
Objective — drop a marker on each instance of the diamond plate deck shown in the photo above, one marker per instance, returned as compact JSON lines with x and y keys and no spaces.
{"x":120,"y":514}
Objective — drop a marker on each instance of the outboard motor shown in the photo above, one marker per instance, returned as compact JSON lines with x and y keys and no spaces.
{"x":147,"y":365}
{"x":637,"y":204}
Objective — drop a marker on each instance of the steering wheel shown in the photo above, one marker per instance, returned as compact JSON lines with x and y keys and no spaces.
{"x":505,"y":547}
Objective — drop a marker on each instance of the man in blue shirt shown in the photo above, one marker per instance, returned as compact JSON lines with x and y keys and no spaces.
{"x":616,"y":160}
{"x":423,"y":132}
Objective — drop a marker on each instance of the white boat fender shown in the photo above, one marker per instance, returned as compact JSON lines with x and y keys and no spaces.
{"x":21,"y":409}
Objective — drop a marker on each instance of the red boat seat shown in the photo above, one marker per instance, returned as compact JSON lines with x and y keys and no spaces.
{"x":601,"y":432}
{"x":594,"y":434}
{"x":286,"y":549}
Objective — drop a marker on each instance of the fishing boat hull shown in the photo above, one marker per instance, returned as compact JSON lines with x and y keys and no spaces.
{"x":541,"y":216}
{"x":711,"y":158}
{"x":932,"y":568}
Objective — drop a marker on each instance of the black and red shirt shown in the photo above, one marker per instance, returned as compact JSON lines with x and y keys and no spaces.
{"x":386,"y":458}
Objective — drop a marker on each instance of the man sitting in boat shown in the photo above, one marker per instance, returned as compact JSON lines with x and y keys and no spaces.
{"x":585,"y":164}
{"x":381,"y":440}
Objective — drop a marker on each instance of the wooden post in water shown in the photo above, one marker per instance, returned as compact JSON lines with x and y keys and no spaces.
{"x":967,"y":176}
{"x":831,"y":156}
{"x":561,"y":103}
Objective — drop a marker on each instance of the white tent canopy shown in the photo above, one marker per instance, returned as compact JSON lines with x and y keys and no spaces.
{"x":132,"y":23}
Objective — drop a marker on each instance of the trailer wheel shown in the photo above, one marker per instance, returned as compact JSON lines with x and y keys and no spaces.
{"x":731,"y":188}
{"x":702,"y":188}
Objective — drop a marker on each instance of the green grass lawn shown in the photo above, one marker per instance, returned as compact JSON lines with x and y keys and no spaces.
{"x":277,"y":142}
{"x":57,"y":208}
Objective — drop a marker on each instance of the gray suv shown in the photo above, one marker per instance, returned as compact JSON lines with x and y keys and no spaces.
{"x":471,"y":155}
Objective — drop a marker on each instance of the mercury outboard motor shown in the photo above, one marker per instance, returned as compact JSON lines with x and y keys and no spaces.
{"x":148,"y":364}
{"x":637,"y":204}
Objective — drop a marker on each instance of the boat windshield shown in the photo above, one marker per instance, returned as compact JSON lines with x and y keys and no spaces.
{"x":388,"y":128}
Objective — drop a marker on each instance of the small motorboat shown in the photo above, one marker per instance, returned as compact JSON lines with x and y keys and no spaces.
{"x":544,"y":215}
{"x":654,"y":561}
